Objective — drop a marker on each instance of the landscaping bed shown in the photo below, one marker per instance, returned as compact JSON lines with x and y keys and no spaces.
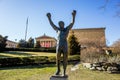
{"x":103,"y":66}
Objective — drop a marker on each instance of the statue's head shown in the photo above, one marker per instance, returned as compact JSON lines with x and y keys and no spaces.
{"x":61,"y":24}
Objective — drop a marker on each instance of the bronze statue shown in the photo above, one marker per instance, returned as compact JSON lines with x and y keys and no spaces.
{"x":62,"y":46}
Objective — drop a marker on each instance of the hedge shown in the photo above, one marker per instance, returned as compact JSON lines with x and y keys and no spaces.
{"x":32,"y":49}
{"x":34,"y":60}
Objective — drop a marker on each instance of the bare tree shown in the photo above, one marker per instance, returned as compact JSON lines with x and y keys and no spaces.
{"x":116,"y":43}
{"x":116,"y":47}
{"x":116,"y":5}
{"x":3,"y":42}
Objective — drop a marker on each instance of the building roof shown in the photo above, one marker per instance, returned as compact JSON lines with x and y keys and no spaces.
{"x":11,"y":41}
{"x":45,"y":37}
{"x":90,"y":28}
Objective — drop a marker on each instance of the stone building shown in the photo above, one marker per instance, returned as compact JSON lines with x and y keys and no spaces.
{"x":46,"y":41}
{"x":90,"y":36}
{"x":11,"y":44}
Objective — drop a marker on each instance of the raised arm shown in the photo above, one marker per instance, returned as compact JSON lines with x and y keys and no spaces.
{"x":73,"y":20}
{"x":51,"y":22}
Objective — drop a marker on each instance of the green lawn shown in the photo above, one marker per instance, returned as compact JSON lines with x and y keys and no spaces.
{"x":24,"y":54}
{"x":44,"y":73}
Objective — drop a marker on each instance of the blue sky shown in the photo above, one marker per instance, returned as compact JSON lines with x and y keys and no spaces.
{"x":13,"y":15}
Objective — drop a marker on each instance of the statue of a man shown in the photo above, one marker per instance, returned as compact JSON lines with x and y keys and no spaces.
{"x":62,"y":46}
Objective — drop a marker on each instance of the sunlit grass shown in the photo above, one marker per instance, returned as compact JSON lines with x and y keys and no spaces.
{"x":7,"y":55}
{"x":26,"y":73}
{"x":24,"y":54}
{"x":44,"y":73}
{"x":86,"y":74}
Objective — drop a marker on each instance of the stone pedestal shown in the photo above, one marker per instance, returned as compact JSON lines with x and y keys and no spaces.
{"x":59,"y":77}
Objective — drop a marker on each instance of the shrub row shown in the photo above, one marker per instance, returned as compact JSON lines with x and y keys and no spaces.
{"x":32,"y":49}
{"x":34,"y":60}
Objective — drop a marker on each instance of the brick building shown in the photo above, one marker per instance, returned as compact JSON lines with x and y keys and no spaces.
{"x":89,"y":36}
{"x":46,"y":41}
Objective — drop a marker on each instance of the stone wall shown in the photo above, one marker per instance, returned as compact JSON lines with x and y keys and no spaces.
{"x":103,"y":66}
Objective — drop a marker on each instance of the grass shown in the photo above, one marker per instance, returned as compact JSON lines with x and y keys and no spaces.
{"x":26,"y":73}
{"x":44,"y":73}
{"x":24,"y":54}
{"x":86,"y":74}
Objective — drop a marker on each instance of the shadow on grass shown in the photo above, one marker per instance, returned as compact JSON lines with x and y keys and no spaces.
{"x":37,"y":66}
{"x":28,"y":67}
{"x":18,"y":53}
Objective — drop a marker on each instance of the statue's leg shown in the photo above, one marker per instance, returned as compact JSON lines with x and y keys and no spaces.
{"x":58,"y":63}
{"x":65,"y":58}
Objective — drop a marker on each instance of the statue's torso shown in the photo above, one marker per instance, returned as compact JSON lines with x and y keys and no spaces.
{"x":62,"y":37}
